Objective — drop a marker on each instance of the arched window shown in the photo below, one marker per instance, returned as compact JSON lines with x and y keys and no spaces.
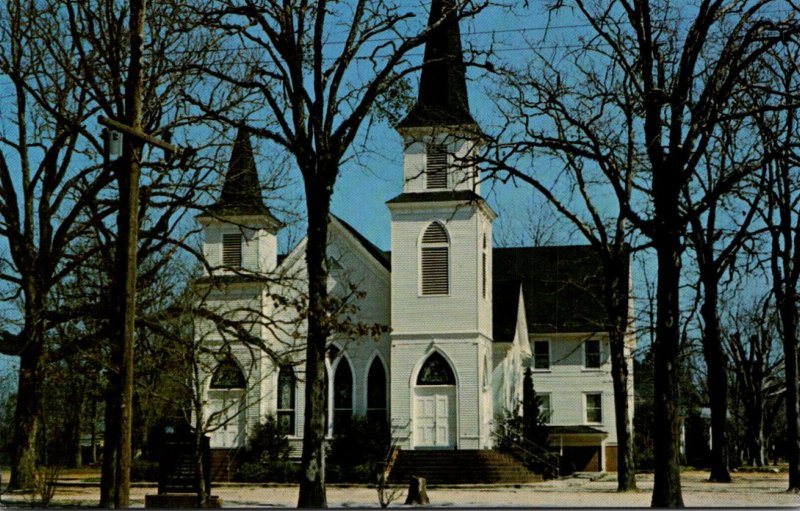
{"x":436,"y":371}
{"x":228,"y":375}
{"x":376,"y":392}
{"x":434,"y":256}
{"x":484,"y":266}
{"x":286,"y":400}
{"x":342,"y":395}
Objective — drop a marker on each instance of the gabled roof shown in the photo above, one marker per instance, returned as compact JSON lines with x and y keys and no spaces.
{"x":562,"y":288}
{"x":443,"y":99}
{"x":241,"y":192}
{"x":379,"y":255}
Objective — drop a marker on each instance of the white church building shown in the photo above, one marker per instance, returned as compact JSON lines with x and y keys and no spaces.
{"x":462,"y":319}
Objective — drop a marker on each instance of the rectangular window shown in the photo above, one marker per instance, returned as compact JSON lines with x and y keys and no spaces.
{"x":545,"y":408}
{"x":541,"y":354}
{"x":436,"y":171}
{"x":232,"y":250}
{"x":594,"y":408}
{"x":483,"y":274}
{"x":591,"y":354}
{"x":435,"y":274}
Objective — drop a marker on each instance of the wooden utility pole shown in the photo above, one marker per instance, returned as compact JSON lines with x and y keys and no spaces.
{"x":128,"y":172}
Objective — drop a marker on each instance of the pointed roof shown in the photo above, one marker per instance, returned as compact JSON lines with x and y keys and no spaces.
{"x":241,"y":192}
{"x":442,"y":99}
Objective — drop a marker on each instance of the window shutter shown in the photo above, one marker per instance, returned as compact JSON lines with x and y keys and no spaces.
{"x":434,"y":271}
{"x":436,"y":172}
{"x":232,"y":250}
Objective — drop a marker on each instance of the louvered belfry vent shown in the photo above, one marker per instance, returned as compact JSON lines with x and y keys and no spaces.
{"x":435,"y":261}
{"x":436,"y":171}
{"x":232,"y":250}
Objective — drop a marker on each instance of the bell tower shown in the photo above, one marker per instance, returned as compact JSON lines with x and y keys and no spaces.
{"x":441,"y":252}
{"x":240,"y":232}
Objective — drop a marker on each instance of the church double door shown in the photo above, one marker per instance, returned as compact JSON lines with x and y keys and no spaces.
{"x":435,"y":417}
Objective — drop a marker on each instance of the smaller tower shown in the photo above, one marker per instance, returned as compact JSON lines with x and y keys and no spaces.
{"x":239,"y":229}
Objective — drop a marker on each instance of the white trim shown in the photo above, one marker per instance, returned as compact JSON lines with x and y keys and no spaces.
{"x":599,"y":355}
{"x":585,"y":408}
{"x":412,"y":385}
{"x":386,"y":373}
{"x":549,"y":356}
{"x":448,"y":246}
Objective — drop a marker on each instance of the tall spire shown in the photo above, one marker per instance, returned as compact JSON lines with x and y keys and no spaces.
{"x":442,"y":99}
{"x":241,"y":192}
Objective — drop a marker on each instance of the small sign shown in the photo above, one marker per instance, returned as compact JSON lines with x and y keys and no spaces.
{"x":178,"y":464}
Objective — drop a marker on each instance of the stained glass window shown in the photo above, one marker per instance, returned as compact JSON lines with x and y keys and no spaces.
{"x":228,"y":375}
{"x":286,"y":399}
{"x":342,"y":395}
{"x":376,"y":392}
{"x":436,"y":371}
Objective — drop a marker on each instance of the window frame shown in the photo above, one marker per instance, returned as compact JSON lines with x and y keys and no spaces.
{"x":586,"y":407}
{"x":586,"y":354}
{"x":549,"y":356}
{"x":437,"y":246}
{"x":439,"y":151}
{"x":290,"y":412}
{"x":549,"y":397}
{"x":373,"y":411}
{"x":338,"y":411}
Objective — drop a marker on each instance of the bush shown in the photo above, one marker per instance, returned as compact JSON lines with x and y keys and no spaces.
{"x":357,"y":452}
{"x":266,"y":457}
{"x":280,"y":471}
{"x":144,"y":470}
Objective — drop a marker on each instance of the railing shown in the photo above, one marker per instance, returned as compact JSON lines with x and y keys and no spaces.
{"x":530,"y":453}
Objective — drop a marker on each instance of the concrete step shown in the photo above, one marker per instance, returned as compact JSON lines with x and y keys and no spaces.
{"x":460,"y":467}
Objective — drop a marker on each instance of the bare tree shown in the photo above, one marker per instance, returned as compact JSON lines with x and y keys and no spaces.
{"x":757,"y":373}
{"x":643,"y":95}
{"x":43,"y":195}
{"x":781,"y":217}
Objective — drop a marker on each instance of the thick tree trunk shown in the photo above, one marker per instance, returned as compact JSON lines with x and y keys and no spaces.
{"x":26,"y":417}
{"x":667,"y":477}
{"x":617,"y":309}
{"x":716,"y":363}
{"x":312,"y":483}
{"x":29,"y":392}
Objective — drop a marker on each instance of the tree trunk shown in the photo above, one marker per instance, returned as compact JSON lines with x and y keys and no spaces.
{"x":108,"y":475}
{"x":716,"y":363}
{"x":29,"y":391}
{"x":666,"y":352}
{"x":617,"y":295}
{"x":788,"y":311}
{"x":312,"y":482}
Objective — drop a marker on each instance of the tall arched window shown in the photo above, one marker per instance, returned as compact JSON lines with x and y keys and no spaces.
{"x":376,"y":392}
{"x":342,"y":395}
{"x":286,"y":400}
{"x":434,"y":260}
{"x":436,"y":371}
{"x":228,"y":375}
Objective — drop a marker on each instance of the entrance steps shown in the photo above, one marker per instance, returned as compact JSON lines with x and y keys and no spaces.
{"x":223,"y":464}
{"x":460,"y":467}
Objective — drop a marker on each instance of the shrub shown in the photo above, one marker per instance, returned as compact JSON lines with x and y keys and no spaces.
{"x":357,"y":453}
{"x":280,"y":471}
{"x":266,"y":457}
{"x":144,"y":470}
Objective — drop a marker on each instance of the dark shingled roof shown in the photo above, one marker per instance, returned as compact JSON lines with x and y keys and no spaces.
{"x":442,"y":99}
{"x":447,"y":195}
{"x":381,"y":256}
{"x":562,"y":288}
{"x":241,"y":192}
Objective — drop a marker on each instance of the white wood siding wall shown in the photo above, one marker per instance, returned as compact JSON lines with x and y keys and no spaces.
{"x":568,"y":381}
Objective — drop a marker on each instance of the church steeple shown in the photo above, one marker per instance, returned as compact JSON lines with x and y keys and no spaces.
{"x":241,"y":191}
{"x":442,"y":99}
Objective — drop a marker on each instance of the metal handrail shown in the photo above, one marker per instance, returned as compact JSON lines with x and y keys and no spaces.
{"x":520,"y":442}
